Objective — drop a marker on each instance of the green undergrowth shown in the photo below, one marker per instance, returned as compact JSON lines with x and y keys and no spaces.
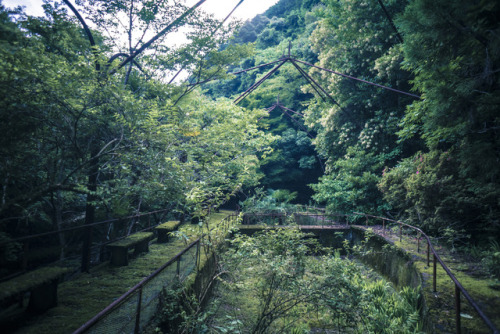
{"x":82,"y":298}
{"x":441,"y":304}
{"x":271,"y":283}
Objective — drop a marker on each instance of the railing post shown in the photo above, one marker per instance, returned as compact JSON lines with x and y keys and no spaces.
{"x":137,"y":329}
{"x":179,"y":266}
{"x":383,"y":226}
{"x":418,"y":243}
{"x":366,"y":221}
{"x":400,"y":233}
{"x":457,"y":309}
{"x":434,"y":271}
{"x":428,"y":253}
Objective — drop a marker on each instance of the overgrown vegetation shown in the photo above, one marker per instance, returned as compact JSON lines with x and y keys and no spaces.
{"x":87,"y":139}
{"x":95,"y":127}
{"x":274,"y":283}
{"x":432,"y":160}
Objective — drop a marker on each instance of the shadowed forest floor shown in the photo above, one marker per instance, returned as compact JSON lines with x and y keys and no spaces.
{"x":83,"y":297}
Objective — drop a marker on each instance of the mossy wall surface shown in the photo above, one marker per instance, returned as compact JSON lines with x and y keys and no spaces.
{"x":395,"y":265}
{"x":392,"y":262}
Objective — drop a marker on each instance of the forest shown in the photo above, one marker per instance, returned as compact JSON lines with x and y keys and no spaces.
{"x":103,"y":118}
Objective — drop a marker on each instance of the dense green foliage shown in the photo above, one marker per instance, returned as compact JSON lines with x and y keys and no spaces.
{"x":87,"y":134}
{"x":453,"y":48}
{"x":293,"y":164}
{"x":269,"y":283}
{"x":359,"y":135}
{"x":433,"y":160}
{"x":84,"y":138}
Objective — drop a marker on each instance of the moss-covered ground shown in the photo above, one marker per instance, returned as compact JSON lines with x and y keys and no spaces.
{"x":441,"y":303}
{"x":83,"y":297}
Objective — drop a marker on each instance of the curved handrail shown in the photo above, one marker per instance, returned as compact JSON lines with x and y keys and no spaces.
{"x":137,"y":287}
{"x":458,"y":287}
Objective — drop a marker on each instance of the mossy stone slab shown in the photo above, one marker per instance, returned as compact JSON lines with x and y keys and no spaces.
{"x":165,"y":228}
{"x":119,"y":249}
{"x":42,"y":283}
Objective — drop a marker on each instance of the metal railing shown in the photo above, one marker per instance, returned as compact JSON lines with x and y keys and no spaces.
{"x":326,"y":219}
{"x":311,"y":217}
{"x":459,"y":289}
{"x":103,"y":233}
{"x":137,"y":307}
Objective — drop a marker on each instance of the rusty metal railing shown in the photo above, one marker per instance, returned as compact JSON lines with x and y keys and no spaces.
{"x":97,"y":323}
{"x":29,"y":240}
{"x":132,"y":311}
{"x":459,"y":289}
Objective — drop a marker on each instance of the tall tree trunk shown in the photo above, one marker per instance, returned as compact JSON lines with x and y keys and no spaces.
{"x":57,"y":205}
{"x":90,"y":208}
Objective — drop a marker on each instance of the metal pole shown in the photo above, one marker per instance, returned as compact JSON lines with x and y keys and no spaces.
{"x":418,"y":244}
{"x":179,"y":266}
{"x":434,"y":271}
{"x":457,"y":309}
{"x":428,"y":253}
{"x":400,"y":232}
{"x":137,"y":329}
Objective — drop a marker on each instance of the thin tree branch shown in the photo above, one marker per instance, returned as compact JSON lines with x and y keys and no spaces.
{"x":88,"y":32}
{"x":174,"y":24}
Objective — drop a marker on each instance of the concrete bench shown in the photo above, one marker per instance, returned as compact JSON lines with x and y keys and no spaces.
{"x":165,"y":228}
{"x":42,"y":283}
{"x":119,"y":249}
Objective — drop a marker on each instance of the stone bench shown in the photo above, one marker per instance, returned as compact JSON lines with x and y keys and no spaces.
{"x":41,"y":283}
{"x":119,"y":249}
{"x":165,"y":228}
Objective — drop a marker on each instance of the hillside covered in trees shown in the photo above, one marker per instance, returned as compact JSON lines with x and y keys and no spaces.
{"x":95,"y":126}
{"x":434,"y":159}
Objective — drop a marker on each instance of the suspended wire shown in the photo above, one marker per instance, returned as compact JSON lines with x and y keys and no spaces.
{"x":287,"y":109}
{"x":211,"y":35}
{"x":238,"y":72}
{"x":390,"y":20}
{"x":175,"y":23}
{"x":357,"y":79}
{"x":308,"y":77}
{"x":258,"y":83}
{"x":311,"y":81}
